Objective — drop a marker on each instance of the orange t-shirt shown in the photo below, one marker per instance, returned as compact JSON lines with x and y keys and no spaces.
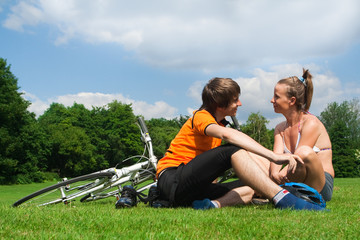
{"x":190,"y":141}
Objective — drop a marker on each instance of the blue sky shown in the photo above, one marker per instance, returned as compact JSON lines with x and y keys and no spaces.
{"x":157,"y":55}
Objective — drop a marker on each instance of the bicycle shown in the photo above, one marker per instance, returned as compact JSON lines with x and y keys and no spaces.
{"x":101,"y":184}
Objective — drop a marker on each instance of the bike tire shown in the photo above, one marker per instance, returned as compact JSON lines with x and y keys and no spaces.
{"x":50,"y":195}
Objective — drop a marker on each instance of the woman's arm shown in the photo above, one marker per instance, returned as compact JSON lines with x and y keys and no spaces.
{"x":310,"y":132}
{"x":275,"y":173}
{"x":278,"y":139}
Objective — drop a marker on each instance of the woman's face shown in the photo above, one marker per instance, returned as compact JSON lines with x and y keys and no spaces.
{"x":280,"y":100}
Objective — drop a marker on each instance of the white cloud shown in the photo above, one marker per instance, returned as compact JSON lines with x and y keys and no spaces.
{"x":257,"y":90}
{"x":195,"y":90}
{"x":204,"y":34}
{"x":256,"y":93}
{"x":37,"y":106}
{"x":23,"y":14}
{"x":88,"y":99}
{"x":352,"y":89}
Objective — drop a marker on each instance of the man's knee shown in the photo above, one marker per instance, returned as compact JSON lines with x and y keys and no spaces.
{"x":239,"y":154}
{"x":261,"y":161}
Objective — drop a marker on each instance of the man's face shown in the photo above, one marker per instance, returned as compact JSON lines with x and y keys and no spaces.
{"x":232,"y":108}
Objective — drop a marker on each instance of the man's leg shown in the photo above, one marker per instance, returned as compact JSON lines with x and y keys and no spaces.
{"x":241,"y":195}
{"x":263,"y":163}
{"x":251,"y":174}
{"x":196,"y":178}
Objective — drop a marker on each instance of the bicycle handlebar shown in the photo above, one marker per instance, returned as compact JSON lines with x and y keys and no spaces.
{"x":143,"y":125}
{"x":147,"y":140}
{"x":236,"y":122}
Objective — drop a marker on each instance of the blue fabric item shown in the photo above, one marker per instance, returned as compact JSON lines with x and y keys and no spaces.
{"x":291,"y":201}
{"x":305,"y":192}
{"x":203,"y":204}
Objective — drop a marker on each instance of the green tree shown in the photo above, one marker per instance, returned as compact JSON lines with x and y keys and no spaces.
{"x":85,"y":140}
{"x":73,"y":136}
{"x":72,"y":151}
{"x":255,"y":127}
{"x":348,"y":113}
{"x":344,"y":160}
{"x":162,"y":132}
{"x":21,"y":149}
{"x":342,"y":122}
{"x":120,"y":132}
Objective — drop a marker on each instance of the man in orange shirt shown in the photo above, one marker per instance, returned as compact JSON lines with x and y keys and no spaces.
{"x":196,"y":158}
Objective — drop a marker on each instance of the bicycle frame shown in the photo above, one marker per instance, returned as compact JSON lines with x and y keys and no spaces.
{"x":121,"y":176}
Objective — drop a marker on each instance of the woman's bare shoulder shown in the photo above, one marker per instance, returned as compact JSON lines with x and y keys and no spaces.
{"x":312,"y":120}
{"x":313,"y":124}
{"x":280,"y":127}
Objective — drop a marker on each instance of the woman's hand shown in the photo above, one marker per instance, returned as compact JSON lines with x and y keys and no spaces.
{"x":279,"y":177}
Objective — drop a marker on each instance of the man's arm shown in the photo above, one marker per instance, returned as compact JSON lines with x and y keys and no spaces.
{"x":244,"y":141}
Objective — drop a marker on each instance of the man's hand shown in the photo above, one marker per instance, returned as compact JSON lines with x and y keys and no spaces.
{"x":290,"y":159}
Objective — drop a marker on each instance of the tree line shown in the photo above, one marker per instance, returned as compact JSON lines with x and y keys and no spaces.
{"x":71,"y":141}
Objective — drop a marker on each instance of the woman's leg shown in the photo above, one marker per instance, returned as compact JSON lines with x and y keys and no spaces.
{"x":312,"y":172}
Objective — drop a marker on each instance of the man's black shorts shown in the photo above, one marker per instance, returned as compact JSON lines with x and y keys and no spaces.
{"x":194,"y":181}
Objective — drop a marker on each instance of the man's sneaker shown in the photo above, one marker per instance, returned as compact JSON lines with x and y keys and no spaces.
{"x":203,"y":204}
{"x":153,"y":195}
{"x":127,"y":198}
{"x":153,"y":198}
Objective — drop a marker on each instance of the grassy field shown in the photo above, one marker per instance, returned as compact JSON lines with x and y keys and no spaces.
{"x":100,"y":219}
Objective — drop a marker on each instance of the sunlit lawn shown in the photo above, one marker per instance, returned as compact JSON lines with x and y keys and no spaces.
{"x":100,"y":219}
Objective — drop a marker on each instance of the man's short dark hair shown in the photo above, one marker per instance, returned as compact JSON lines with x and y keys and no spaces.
{"x":219,"y":92}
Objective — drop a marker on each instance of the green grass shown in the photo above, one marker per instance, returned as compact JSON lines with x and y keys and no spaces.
{"x":100,"y":219}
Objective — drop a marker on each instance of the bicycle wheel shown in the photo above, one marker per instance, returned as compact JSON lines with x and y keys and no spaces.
{"x":67,"y":190}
